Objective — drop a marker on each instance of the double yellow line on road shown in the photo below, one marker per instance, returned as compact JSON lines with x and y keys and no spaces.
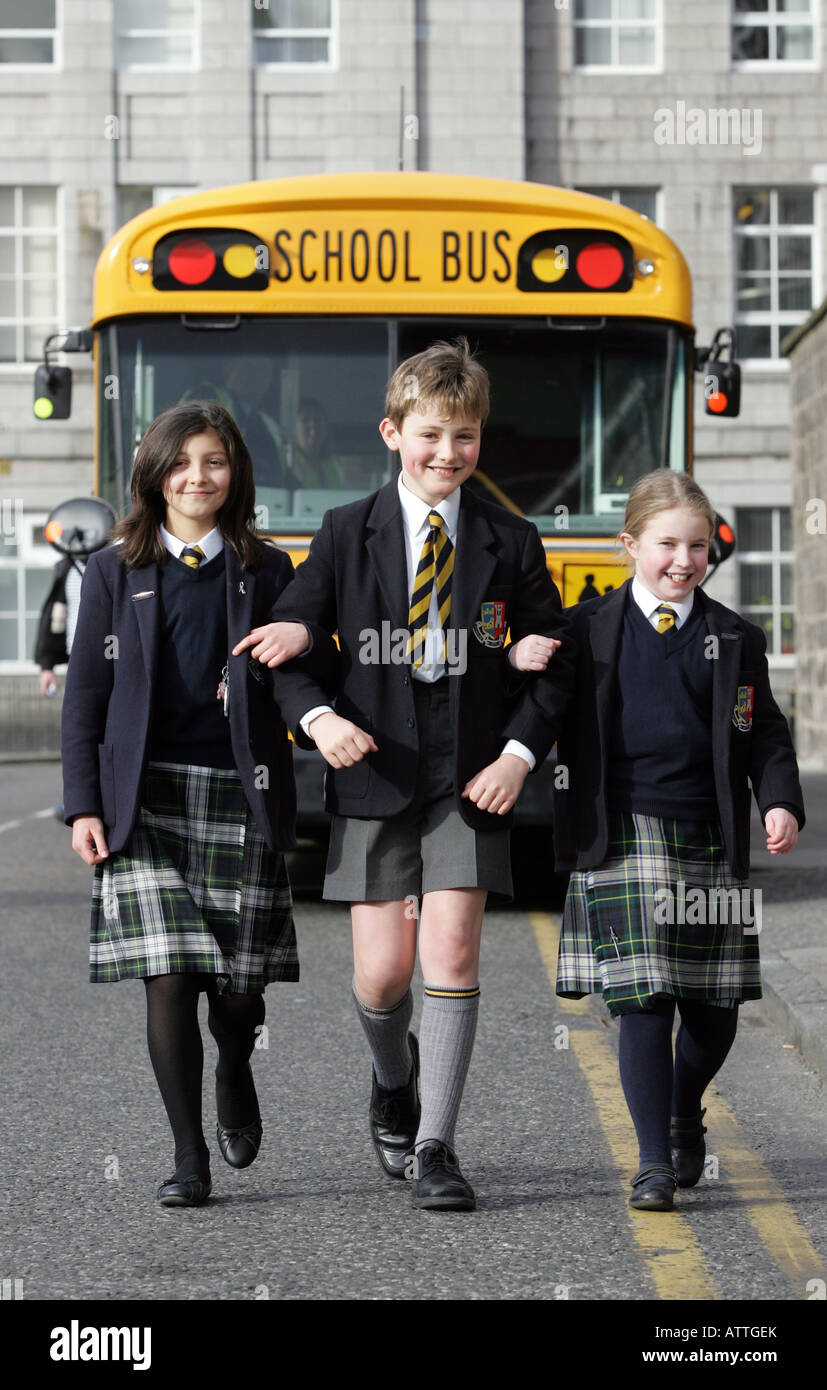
{"x":672,"y":1252}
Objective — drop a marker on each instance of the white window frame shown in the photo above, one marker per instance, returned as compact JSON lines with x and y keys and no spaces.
{"x":194,"y":32}
{"x":774,"y":558}
{"x":781,"y":319}
{"x":774,"y":20}
{"x":29,"y":556}
{"x":26,"y":366}
{"x":615,"y":24}
{"x":613,"y":193}
{"x":331,"y":34}
{"x":56,"y":35}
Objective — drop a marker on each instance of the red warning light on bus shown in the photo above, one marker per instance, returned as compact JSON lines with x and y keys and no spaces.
{"x":717,"y":403}
{"x":192,"y":261}
{"x":599,"y":265}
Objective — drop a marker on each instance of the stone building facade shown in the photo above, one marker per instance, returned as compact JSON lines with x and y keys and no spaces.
{"x":807,"y":349}
{"x":618,"y":96}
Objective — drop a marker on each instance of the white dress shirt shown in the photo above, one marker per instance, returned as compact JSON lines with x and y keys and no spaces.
{"x":415,"y":528}
{"x":649,"y":604}
{"x":212,"y":544}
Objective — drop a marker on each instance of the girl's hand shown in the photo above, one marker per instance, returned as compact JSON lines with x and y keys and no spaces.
{"x":532,"y":653}
{"x":497,"y":787}
{"x":89,"y":840}
{"x":340,"y":743}
{"x":782,"y":830}
{"x":275,"y":642}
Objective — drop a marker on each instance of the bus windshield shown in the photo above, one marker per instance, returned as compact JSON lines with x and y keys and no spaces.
{"x":578,"y":410}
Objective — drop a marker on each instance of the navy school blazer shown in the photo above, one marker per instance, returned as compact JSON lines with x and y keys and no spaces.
{"x":355,"y":581}
{"x":107,"y":704}
{"x":757,"y":750}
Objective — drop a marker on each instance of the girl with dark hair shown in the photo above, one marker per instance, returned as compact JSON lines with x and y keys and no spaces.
{"x":178,"y":778}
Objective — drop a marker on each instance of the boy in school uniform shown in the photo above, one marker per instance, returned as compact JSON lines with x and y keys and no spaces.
{"x":432,"y":737}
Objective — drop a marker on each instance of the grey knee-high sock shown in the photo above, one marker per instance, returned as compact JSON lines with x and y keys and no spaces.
{"x":387,"y":1033}
{"x":446,"y":1041}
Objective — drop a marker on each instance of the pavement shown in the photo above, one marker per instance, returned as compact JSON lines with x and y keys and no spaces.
{"x":794,"y":927}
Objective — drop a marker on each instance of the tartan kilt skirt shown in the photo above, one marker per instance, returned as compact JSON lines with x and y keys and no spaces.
{"x":196,"y":890}
{"x":662,"y":915}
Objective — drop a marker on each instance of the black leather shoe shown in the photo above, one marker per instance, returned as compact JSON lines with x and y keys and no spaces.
{"x":189,"y":1192}
{"x":654,"y":1188}
{"x":688,"y":1148}
{"x":394,"y":1118}
{"x":438,"y":1184}
{"x":239,"y":1146}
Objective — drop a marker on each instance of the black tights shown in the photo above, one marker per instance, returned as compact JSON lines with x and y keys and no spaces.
{"x":656,"y":1088}
{"x":177,"y":1057}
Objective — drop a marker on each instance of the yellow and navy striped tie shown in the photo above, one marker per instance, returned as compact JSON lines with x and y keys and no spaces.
{"x":436,"y":565}
{"x":192,"y":555}
{"x":667,"y":619}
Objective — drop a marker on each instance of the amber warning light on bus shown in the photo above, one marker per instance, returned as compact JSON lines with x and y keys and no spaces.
{"x":210,"y":259}
{"x":571,"y":259}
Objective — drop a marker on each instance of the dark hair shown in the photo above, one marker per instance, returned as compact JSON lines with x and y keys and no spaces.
{"x":157,"y":452}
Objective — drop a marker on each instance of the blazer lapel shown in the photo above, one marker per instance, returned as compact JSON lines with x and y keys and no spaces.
{"x":605,"y":629}
{"x":725,"y":666}
{"x":386,"y":549}
{"x":241,"y":588}
{"x":144,"y":588}
{"x":474,"y":566}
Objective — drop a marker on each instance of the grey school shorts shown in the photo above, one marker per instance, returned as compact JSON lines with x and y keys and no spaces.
{"x":428,"y":846}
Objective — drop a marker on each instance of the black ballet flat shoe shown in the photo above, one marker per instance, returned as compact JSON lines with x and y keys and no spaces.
{"x":438,"y":1184}
{"x":394,"y":1118}
{"x":688,"y":1148}
{"x":654,"y":1188}
{"x":188,"y":1192}
{"x":239,"y":1147}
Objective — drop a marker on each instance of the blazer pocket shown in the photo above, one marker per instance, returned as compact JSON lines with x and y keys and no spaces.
{"x":106,"y":778}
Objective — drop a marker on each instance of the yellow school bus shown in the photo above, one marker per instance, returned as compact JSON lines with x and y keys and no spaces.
{"x":291,"y":301}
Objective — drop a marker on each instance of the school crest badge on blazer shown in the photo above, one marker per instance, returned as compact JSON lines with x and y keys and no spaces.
{"x":490,"y":629}
{"x":742,"y":713}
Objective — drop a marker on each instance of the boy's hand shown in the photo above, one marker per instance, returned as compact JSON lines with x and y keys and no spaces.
{"x":782,"y":830}
{"x":497,"y":787}
{"x":532,"y":653}
{"x":340,"y":743}
{"x":89,"y":839}
{"x":275,"y":642}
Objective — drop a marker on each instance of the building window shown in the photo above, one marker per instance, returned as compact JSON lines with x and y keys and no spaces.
{"x":26,"y":571}
{"x":765,"y":574}
{"x":296,"y":34}
{"x":156,"y":34}
{"x":617,"y":34}
{"x":774,"y":249}
{"x":29,"y":33}
{"x":772,"y":31}
{"x":28,"y":271}
{"x":643,"y":200}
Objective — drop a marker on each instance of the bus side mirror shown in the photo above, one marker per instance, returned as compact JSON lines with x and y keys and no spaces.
{"x":53,"y":385}
{"x":52,"y":392}
{"x":722,"y":388}
{"x":722,"y":375}
{"x":723,"y":542}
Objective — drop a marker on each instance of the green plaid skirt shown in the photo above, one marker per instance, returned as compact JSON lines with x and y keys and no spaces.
{"x":662,"y":915}
{"x":197,"y":889}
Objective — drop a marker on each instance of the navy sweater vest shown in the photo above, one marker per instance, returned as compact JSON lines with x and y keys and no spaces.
{"x":660,"y":757}
{"x":188,"y":722}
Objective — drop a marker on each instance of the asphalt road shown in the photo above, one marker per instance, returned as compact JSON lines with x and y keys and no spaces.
{"x":543,"y":1134}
